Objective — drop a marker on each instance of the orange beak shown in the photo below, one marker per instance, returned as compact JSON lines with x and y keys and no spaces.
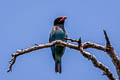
{"x":63,"y":18}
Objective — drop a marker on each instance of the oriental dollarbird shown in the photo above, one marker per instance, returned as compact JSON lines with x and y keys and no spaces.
{"x":58,"y":33}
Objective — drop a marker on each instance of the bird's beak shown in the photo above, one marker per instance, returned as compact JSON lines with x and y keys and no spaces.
{"x":63,"y":18}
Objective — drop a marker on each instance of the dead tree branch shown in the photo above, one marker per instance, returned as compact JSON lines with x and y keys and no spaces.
{"x":110,"y":51}
{"x":36,"y":47}
{"x":80,"y":47}
{"x":96,"y":63}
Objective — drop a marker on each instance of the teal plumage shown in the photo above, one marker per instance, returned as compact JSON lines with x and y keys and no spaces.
{"x":58,"y":33}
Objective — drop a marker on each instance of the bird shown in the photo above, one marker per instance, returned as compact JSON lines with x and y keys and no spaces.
{"x":58,"y":33}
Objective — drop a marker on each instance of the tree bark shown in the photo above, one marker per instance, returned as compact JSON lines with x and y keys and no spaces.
{"x":108,"y":48}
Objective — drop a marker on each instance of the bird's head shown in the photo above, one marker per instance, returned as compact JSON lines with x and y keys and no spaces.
{"x":60,"y":20}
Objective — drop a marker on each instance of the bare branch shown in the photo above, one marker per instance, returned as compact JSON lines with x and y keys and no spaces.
{"x":80,"y":47}
{"x":94,"y":45}
{"x":12,"y":61}
{"x":110,"y":51}
{"x":96,"y":63}
{"x":36,"y":47}
{"x":72,"y":40}
{"x":89,"y":56}
{"x":107,"y":38}
{"x":79,"y":42}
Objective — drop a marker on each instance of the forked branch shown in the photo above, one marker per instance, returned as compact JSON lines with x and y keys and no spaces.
{"x":112,"y":54}
{"x":80,"y":47}
{"x":96,"y":63}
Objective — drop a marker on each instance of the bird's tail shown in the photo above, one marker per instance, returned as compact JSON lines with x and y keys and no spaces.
{"x":58,"y":66}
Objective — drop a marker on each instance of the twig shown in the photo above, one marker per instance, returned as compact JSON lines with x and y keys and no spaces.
{"x":72,"y":40}
{"x":11,"y":62}
{"x":107,"y":38}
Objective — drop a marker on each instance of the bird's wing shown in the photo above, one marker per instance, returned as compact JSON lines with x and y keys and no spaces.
{"x":57,"y":33}
{"x":52,"y":36}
